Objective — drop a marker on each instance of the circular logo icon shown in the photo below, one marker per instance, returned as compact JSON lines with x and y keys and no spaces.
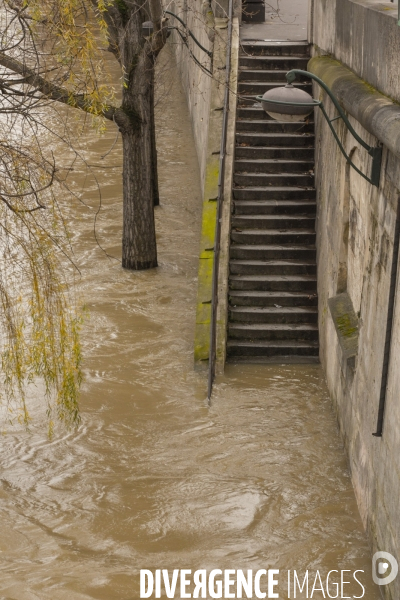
{"x":384,"y":571}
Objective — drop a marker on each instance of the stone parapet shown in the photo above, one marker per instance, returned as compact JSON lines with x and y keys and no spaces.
{"x":364,"y":36}
{"x":377,"y":113}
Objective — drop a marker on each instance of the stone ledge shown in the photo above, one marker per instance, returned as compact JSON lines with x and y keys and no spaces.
{"x":346,"y":324}
{"x":377,"y":113}
{"x":387,"y":8}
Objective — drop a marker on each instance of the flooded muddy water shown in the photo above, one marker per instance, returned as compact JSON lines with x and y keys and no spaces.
{"x":154,"y":478}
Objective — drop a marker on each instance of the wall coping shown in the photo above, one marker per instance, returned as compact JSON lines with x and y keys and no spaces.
{"x":377,"y":113}
{"x":387,"y":8}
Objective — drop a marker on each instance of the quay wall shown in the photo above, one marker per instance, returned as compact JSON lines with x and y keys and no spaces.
{"x":356,"y":52}
{"x":203,"y":80}
{"x":195,"y":76}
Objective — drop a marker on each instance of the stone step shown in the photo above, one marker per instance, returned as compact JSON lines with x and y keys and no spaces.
{"x":275,"y":299}
{"x":290,"y":140}
{"x":270,"y":331}
{"x":256,"y":112}
{"x":274,"y":283}
{"x":268,"y":75}
{"x":250,"y":100}
{"x":250,"y":88}
{"x":273,"y":308}
{"x":275,"y":207}
{"x":273,"y":193}
{"x":272,"y":314}
{"x":281,"y":223}
{"x":276,"y":359}
{"x":273,"y":153}
{"x":301,"y":180}
{"x":283,"y":63}
{"x":270,"y":252}
{"x":272,"y":267}
{"x":252,"y":112}
{"x":272,"y":126}
{"x":274,"y":237}
{"x":277,"y":352}
{"x":272,"y":48}
{"x":274,"y":165}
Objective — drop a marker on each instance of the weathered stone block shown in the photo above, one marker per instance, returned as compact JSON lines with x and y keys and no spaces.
{"x":346,"y":323}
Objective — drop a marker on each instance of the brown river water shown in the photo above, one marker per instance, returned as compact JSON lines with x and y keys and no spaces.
{"x":154,"y":478}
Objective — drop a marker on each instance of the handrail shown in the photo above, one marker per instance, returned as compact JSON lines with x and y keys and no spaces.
{"x":220,"y":197}
{"x":168,"y":12}
{"x":388,"y":347}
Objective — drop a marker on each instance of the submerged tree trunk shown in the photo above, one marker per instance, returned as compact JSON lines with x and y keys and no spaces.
{"x":140,"y":184}
{"x":139,"y":237}
{"x":137,"y":56}
{"x":156,"y":195}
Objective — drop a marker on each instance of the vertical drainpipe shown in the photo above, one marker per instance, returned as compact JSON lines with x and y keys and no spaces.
{"x":389,"y":324}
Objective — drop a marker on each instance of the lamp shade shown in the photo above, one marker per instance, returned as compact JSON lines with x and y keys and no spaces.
{"x":287,"y":103}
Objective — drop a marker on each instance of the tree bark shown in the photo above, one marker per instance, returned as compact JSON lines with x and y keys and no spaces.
{"x":156,"y":194}
{"x":140,"y":184}
{"x":139,"y":250}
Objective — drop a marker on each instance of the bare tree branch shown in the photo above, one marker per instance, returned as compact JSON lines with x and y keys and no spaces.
{"x":60,"y":94}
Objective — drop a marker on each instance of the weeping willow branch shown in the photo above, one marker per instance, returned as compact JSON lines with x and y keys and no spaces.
{"x":39,"y":319}
{"x":38,"y":322}
{"x":51,"y":53}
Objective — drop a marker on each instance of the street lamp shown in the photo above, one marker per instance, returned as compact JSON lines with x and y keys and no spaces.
{"x":147,"y":28}
{"x":292,"y":104}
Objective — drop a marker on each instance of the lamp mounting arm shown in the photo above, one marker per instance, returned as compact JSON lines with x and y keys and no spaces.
{"x":291,"y":76}
{"x":374,"y":151}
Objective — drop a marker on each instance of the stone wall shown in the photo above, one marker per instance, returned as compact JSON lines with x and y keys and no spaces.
{"x":355,"y":234}
{"x":205,"y":96}
{"x":207,"y":20}
{"x":196,"y":82}
{"x":364,"y":35}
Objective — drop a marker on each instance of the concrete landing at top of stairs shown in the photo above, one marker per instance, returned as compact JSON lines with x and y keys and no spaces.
{"x":290,"y":24}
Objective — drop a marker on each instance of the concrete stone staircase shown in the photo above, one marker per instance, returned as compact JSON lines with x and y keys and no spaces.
{"x":272,"y":286}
